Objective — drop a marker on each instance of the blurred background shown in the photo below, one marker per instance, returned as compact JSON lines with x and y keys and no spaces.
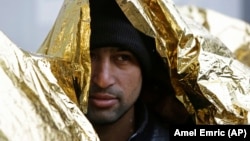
{"x":27,"y":23}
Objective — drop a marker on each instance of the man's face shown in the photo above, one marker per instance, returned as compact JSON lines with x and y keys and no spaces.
{"x":116,"y":81}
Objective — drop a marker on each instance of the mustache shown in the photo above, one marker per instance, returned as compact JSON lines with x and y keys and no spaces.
{"x":110,"y":90}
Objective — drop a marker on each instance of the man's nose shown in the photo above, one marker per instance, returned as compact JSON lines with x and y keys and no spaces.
{"x":102,"y":74}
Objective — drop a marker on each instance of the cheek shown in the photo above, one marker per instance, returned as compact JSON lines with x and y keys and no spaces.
{"x":132,"y":85}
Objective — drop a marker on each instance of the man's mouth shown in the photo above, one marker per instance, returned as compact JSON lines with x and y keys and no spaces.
{"x":103,"y":100}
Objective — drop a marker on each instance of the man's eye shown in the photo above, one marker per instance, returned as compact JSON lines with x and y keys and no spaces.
{"x":123,"y":58}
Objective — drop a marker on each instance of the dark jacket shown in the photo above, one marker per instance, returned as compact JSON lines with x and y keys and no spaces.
{"x":148,"y":127}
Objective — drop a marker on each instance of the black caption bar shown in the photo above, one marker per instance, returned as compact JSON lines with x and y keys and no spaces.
{"x":224,"y":132}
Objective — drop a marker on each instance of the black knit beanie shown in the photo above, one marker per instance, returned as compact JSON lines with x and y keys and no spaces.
{"x":110,"y":27}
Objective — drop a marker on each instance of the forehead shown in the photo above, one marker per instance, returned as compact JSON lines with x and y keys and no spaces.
{"x":109,"y":49}
{"x":117,"y":51}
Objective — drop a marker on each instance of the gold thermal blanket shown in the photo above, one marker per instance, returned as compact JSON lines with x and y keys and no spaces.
{"x":207,"y":61}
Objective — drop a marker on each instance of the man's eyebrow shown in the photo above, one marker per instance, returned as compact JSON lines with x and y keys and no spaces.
{"x":123,"y":49}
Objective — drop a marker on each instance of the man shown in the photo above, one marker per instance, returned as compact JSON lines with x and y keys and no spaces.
{"x":122,"y":59}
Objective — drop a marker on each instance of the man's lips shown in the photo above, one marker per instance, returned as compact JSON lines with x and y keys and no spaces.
{"x":101,"y":100}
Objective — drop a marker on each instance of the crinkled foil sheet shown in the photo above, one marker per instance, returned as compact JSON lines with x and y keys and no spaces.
{"x":37,"y":95}
{"x":34,"y":106}
{"x":208,"y":79}
{"x":69,"y":39}
{"x":234,"y":33}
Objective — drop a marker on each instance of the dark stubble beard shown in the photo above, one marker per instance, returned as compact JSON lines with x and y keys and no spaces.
{"x":96,"y":116}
